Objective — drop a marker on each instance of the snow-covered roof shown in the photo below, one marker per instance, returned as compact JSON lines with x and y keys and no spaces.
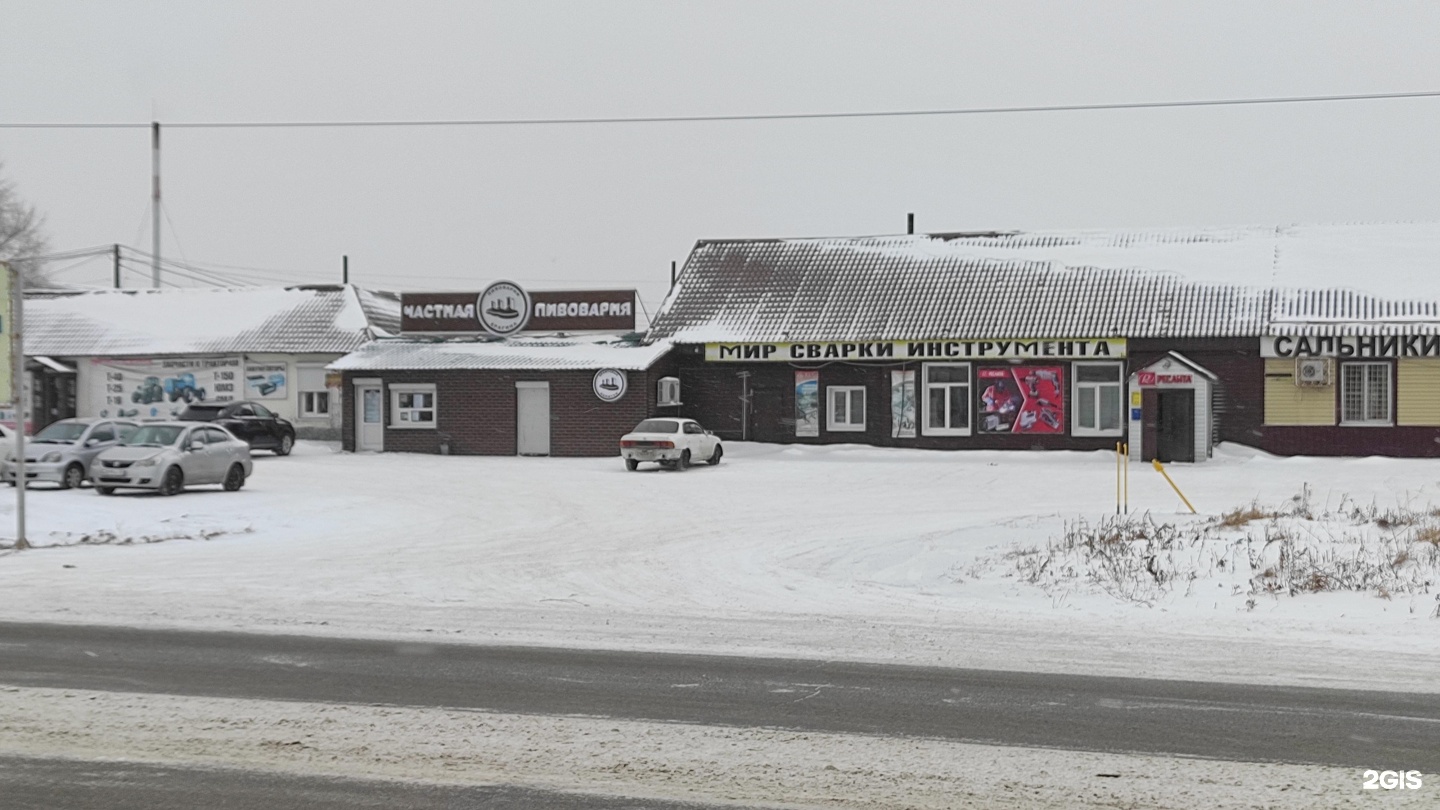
{"x":206,"y":321}
{"x":1080,"y":284}
{"x":586,"y":353}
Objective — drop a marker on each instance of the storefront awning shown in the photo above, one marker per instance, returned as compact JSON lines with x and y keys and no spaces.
{"x":52,"y":364}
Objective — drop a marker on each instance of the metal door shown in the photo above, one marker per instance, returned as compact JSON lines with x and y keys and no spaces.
{"x":369,"y":418}
{"x":1175,"y":424}
{"x":532,"y":418}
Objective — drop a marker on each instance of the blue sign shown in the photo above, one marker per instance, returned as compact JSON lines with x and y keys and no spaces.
{"x":1134,"y":414}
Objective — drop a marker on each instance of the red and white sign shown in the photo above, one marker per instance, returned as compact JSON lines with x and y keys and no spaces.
{"x":1151,"y":379}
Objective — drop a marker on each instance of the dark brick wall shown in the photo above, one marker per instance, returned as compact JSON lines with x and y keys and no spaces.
{"x":476,"y":411}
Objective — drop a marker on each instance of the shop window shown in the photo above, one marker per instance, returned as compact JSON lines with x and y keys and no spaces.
{"x":668,"y":394}
{"x":412,"y":406}
{"x":1365,"y":394}
{"x":1099,"y":399}
{"x":947,"y":399}
{"x":847,"y":407}
{"x":315,"y":403}
{"x":314,"y":394}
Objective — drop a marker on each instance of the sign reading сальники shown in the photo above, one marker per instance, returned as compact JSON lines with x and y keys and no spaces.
{"x":549,"y":311}
{"x":1069,"y":349}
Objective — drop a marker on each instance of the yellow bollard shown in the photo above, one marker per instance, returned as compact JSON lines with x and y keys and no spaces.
{"x":1160,"y":469}
{"x":1125,"y":469}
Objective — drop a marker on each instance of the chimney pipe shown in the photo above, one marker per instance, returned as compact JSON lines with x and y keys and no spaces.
{"x":910,"y":223}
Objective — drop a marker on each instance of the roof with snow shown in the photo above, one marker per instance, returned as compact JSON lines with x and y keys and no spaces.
{"x":517,"y":353}
{"x":321,"y":319}
{"x":1076,"y":284}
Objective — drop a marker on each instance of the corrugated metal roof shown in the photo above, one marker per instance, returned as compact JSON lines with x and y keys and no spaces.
{"x":925,"y":286}
{"x":201,"y":321}
{"x":581,"y":354}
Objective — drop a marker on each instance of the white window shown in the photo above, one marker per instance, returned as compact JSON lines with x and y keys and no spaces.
{"x":1365,"y":394}
{"x":847,"y":407}
{"x":669,"y":393}
{"x":1099,"y":399}
{"x":412,"y":406}
{"x":314,"y":394}
{"x":314,"y":403}
{"x":947,"y":399}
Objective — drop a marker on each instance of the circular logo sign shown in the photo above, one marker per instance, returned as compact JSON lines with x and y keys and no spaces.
{"x":503,"y":308}
{"x":610,"y":384}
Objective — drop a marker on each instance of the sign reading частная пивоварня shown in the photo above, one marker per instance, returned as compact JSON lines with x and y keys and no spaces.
{"x":809,"y":351}
{"x":1351,"y":346}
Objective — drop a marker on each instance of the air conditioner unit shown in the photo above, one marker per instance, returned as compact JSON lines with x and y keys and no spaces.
{"x":1312,"y":371}
{"x":668,"y":394}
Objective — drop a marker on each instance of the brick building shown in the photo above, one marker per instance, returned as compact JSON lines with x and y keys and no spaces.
{"x":1024,"y":341}
{"x":524,"y":395}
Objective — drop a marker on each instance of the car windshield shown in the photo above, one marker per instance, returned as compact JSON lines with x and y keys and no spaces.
{"x":202,"y":413}
{"x":658,"y":426}
{"x":60,"y":432}
{"x":154,"y":436}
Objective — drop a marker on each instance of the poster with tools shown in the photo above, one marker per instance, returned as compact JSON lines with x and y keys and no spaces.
{"x":1022,"y":399}
{"x":807,"y":403}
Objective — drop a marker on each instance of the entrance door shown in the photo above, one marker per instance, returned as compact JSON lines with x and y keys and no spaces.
{"x":369,"y":418}
{"x":1175,"y":426}
{"x":532,"y":418}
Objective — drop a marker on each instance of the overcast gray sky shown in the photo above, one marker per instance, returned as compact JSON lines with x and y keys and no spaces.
{"x":612,"y":205}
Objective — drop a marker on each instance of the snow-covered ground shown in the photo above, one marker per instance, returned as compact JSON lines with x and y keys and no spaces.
{"x":840,"y":552}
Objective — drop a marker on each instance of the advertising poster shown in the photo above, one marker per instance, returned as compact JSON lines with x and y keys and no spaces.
{"x":129,"y":388}
{"x":1022,"y":399}
{"x":265,"y":381}
{"x":902,"y":404}
{"x":807,"y":403}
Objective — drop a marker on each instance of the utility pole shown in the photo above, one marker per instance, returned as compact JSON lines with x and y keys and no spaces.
{"x":17,"y":395}
{"x":155,"y":203}
{"x":115,"y":255}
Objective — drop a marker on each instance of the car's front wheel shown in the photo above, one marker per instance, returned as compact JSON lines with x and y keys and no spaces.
{"x":234,"y":478}
{"x":715,"y":456}
{"x":74,"y":476}
{"x":173,"y":482}
{"x":631,"y":464}
{"x":286,"y":445}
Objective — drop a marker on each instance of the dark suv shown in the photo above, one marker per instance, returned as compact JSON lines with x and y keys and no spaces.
{"x":250,"y":421}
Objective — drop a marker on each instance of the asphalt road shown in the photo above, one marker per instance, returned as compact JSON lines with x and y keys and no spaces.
{"x":1224,"y":721}
{"x":46,"y":784}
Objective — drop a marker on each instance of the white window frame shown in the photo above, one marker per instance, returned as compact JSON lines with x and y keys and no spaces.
{"x":1096,"y":389}
{"x":307,"y":399}
{"x":395,"y":410}
{"x":1389,"y":418}
{"x":969,"y":387}
{"x":849,"y":425}
{"x":301,"y":372}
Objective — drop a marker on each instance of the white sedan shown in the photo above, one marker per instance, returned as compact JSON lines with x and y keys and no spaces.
{"x":672,"y":442}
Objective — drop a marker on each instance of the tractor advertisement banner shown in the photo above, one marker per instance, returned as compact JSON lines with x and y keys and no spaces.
{"x":139,"y":388}
{"x":1022,"y":399}
{"x":265,"y":381}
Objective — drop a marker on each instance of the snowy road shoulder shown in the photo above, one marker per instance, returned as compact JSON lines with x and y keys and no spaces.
{"x":754,"y":767}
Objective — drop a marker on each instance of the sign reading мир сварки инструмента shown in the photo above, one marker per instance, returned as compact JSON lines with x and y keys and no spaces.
{"x":1067,"y":349}
{"x":547,"y":311}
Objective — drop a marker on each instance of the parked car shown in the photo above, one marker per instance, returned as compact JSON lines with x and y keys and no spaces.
{"x":673,"y":442}
{"x":248,"y":420}
{"x":169,"y":456}
{"x":62,"y":451}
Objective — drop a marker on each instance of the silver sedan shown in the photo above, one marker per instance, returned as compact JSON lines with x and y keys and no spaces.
{"x":62,"y":452}
{"x":169,"y":456}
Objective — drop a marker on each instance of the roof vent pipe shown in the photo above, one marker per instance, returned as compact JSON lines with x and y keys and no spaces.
{"x":910,"y":223}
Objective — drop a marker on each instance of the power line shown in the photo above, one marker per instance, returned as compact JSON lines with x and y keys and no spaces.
{"x":683,"y":119}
